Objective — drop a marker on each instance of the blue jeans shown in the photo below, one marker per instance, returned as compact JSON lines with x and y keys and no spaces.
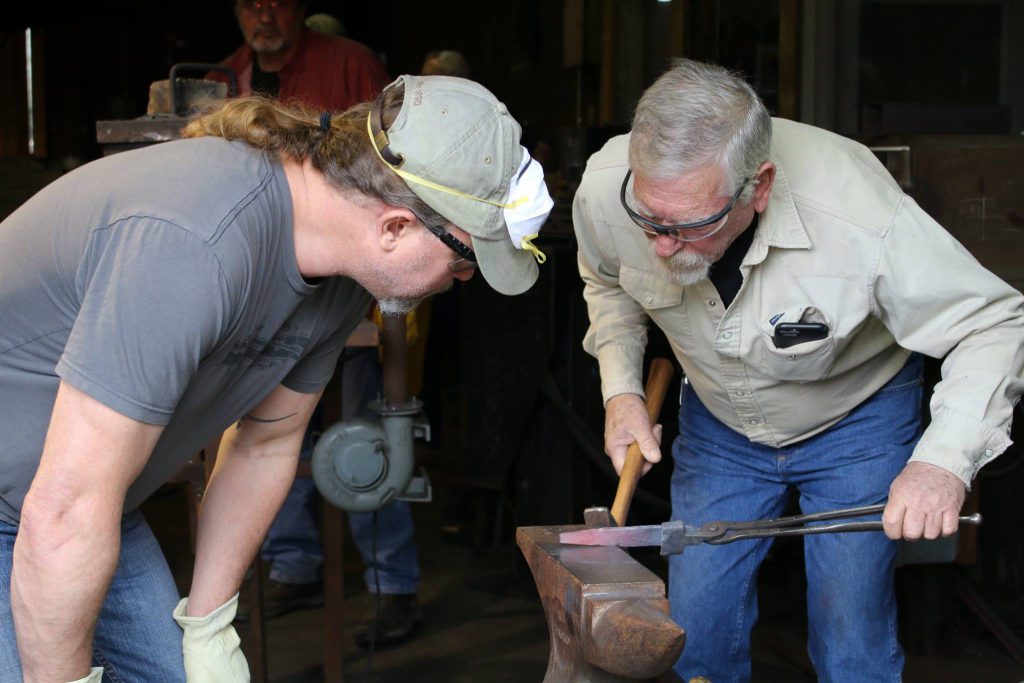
{"x":136,"y":639}
{"x":851,"y":604}
{"x":293,"y":543}
{"x":397,"y":564}
{"x":294,"y":551}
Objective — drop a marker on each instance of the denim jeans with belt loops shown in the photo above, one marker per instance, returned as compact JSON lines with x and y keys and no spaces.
{"x":851,"y":604}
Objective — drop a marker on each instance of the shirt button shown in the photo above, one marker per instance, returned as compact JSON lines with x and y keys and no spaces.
{"x":712,"y":303}
{"x":727,"y":335}
{"x":988,"y":452}
{"x":792,"y":357}
{"x":741,"y":393}
{"x":649,"y":299}
{"x":753,"y":422}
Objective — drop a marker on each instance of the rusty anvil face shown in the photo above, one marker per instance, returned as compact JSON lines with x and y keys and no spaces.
{"x":607,"y":614}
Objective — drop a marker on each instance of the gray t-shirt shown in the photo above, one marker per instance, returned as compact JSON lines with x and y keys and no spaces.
{"x":163,"y":283}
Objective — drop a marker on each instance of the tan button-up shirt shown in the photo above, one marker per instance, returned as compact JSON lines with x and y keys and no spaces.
{"x":839,"y":244}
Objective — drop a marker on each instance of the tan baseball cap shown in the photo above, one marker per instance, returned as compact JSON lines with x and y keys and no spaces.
{"x":457,"y":148}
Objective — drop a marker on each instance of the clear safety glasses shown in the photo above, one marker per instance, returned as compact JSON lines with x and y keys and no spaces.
{"x":692,"y":231}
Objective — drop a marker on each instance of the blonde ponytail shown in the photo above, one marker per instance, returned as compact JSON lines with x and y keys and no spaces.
{"x":343,"y":152}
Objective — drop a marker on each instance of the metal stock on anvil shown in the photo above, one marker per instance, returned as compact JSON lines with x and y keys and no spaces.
{"x":674,"y":537}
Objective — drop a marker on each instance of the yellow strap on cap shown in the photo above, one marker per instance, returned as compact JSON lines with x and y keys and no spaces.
{"x":527,"y":245}
{"x":429,"y":183}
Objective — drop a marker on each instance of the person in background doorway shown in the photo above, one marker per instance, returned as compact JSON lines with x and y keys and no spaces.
{"x":445,"y":63}
{"x":282,"y":58}
{"x":325,"y":23}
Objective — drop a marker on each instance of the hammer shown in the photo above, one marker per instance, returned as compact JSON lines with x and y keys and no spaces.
{"x":658,"y":378}
{"x":607,"y":614}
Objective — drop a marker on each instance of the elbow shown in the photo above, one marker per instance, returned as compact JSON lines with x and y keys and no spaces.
{"x":52,"y":520}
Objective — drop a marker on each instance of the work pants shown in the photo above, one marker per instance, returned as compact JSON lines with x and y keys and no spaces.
{"x":721,"y":475}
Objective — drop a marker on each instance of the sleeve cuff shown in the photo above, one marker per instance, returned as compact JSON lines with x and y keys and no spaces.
{"x":306,"y":386}
{"x":960,"y":444}
{"x":621,"y":370}
{"x":126,"y":405}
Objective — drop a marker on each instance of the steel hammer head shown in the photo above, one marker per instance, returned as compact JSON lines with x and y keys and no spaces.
{"x":597,"y":517}
{"x":607,"y":614}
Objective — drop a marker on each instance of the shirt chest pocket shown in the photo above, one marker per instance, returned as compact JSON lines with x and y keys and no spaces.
{"x":650,"y":291}
{"x":802,"y":362}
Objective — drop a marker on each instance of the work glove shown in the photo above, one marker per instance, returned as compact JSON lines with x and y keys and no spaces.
{"x":211,"y":646}
{"x":95,"y":676}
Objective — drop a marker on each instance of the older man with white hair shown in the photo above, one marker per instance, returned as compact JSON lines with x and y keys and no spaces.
{"x":798,"y":287}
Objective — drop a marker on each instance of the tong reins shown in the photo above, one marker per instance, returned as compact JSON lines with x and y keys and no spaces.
{"x":718,"y":533}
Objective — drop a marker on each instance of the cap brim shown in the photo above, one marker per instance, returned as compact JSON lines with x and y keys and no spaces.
{"x":508,"y":270}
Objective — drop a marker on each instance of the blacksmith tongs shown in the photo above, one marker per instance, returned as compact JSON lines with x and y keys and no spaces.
{"x":674,"y":537}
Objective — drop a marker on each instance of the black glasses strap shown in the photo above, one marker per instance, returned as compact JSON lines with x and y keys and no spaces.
{"x":452,"y":242}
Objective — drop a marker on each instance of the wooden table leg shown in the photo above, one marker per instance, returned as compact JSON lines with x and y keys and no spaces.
{"x":257,"y":631}
{"x":333,"y":522}
{"x":334,"y":572}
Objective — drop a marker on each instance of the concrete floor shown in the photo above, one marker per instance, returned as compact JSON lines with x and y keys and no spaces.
{"x":478,"y":627}
{"x":484,"y":623}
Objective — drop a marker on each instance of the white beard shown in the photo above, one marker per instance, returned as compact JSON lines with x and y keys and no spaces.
{"x":684,"y":268}
{"x":267,"y":46}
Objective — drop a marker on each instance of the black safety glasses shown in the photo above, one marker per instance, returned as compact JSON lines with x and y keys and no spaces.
{"x":467,"y":258}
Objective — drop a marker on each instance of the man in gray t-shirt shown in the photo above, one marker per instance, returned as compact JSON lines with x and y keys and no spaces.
{"x":196,"y":273}
{"x":151,"y":299}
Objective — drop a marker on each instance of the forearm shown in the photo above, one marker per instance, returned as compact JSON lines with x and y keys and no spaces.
{"x":972,"y":407}
{"x":617,"y":336}
{"x":246,"y":490}
{"x":974,"y":320}
{"x":64,"y":559}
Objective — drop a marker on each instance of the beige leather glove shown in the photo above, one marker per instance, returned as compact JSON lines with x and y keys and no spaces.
{"x":211,"y":646}
{"x":95,"y":676}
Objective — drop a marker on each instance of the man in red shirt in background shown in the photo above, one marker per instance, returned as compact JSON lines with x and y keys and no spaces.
{"x":284,"y":59}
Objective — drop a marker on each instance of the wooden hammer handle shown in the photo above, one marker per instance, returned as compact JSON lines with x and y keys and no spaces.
{"x":657,"y":384}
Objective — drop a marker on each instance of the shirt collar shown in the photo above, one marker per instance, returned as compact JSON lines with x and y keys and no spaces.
{"x":780,"y":225}
{"x":781,"y":222}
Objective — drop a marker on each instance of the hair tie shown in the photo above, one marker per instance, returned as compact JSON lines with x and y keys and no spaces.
{"x":325,"y":121}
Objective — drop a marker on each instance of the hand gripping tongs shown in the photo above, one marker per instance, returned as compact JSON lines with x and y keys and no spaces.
{"x":674,"y":537}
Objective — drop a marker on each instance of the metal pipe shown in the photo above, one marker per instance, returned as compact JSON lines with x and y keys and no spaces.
{"x":397,"y":408}
{"x":396,"y":389}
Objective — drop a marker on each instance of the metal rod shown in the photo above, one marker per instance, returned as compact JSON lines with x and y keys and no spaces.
{"x":396,"y":392}
{"x":796,"y":520}
{"x":840,"y":527}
